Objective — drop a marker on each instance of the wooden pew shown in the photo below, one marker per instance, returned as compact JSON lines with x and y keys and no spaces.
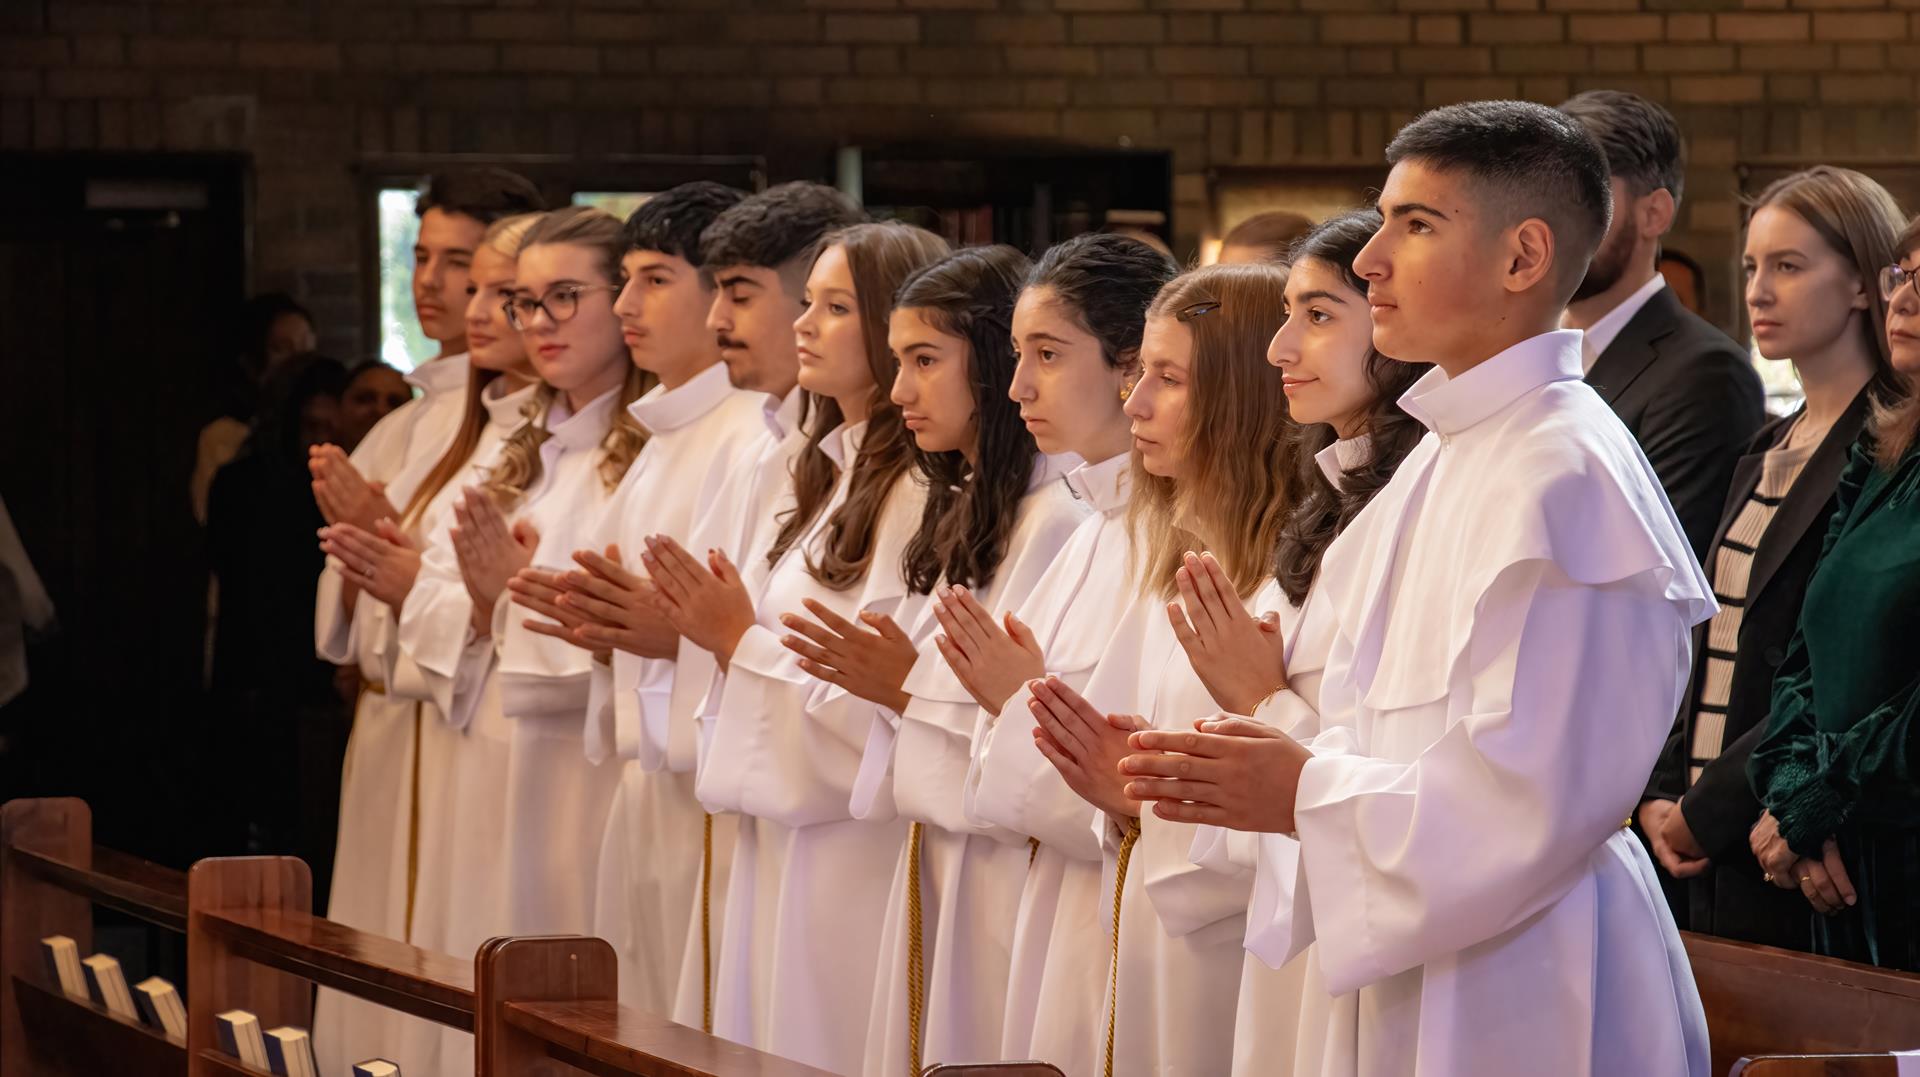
{"x":51,"y":876}
{"x":1761,"y":1001}
{"x":1884,"y":1065}
{"x":547,"y":1008}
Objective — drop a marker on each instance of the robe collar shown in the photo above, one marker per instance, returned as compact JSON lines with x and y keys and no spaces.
{"x":1053,"y":468}
{"x":670,"y":409}
{"x":440,"y":375}
{"x":1105,"y":485}
{"x":507,"y":410}
{"x":782,"y":413}
{"x":1343,"y":456}
{"x":1450,"y":406}
{"x":571,"y":431}
{"x":842,"y":443}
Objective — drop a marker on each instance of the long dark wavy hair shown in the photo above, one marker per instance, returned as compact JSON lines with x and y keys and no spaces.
{"x":1323,"y":511}
{"x":881,"y":257}
{"x":971,"y":512}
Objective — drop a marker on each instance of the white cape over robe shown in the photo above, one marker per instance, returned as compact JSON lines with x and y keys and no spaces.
{"x":971,"y":877}
{"x":527,"y":809}
{"x":1058,"y":962}
{"x":1512,"y":617}
{"x":646,"y":895}
{"x":809,"y":881}
{"x":371,"y":869}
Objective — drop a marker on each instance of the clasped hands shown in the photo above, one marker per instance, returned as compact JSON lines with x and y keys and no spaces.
{"x":1823,"y":881}
{"x":375,"y":556}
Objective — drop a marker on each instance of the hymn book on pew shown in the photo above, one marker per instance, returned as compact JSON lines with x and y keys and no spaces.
{"x":290,"y":1053}
{"x":240,"y":1037}
{"x":376,"y":1067}
{"x":63,"y":965}
{"x":161,"y":1008}
{"x":107,"y":985}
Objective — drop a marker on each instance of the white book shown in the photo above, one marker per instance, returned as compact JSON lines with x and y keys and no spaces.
{"x":108,"y":985}
{"x":290,"y":1053}
{"x":376,"y":1067}
{"x":240,"y":1037}
{"x":63,"y":965}
{"x":161,"y":1007}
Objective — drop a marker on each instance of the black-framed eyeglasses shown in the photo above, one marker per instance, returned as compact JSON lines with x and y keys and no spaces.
{"x":1194,"y":310}
{"x":1893,"y":278}
{"x":561,"y":304}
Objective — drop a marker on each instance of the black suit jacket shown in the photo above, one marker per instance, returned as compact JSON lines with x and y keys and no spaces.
{"x":1692,"y":400}
{"x":1730,"y":899}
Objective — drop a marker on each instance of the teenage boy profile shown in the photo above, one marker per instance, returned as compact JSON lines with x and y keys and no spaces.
{"x":1511,"y":625}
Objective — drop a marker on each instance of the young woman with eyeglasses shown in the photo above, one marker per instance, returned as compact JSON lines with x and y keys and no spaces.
{"x":528,"y":808}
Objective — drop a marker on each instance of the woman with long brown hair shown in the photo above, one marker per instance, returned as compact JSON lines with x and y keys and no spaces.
{"x":1213,"y":470}
{"x":795,"y":971}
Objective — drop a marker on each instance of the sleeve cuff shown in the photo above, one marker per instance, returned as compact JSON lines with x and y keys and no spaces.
{"x":1810,"y":815}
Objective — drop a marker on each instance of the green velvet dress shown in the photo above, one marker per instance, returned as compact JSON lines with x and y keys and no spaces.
{"x":1841,"y":757}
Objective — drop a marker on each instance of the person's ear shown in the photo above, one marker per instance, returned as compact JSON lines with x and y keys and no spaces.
{"x":1861,"y":300}
{"x":1530,"y":255}
{"x":1655,"y":212}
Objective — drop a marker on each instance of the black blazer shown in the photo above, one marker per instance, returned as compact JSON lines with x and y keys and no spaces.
{"x":1692,"y":400}
{"x":1730,"y":899}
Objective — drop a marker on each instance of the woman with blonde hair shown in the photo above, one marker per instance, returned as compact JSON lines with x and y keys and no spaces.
{"x":1213,"y":470}
{"x":1816,"y":243}
{"x":394,"y":825}
{"x":1836,"y":768}
{"x":527,"y":807}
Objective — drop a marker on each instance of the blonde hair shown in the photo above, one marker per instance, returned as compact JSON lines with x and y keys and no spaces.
{"x":518,"y":468}
{"x":502,"y":237}
{"x":1238,"y":485}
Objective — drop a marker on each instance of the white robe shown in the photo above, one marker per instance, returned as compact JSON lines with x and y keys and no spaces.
{"x":438,"y":753}
{"x":970,"y":876}
{"x":372,"y":876}
{"x":1276,"y":1005}
{"x":1181,"y":926}
{"x":809,"y":882}
{"x":528,"y":809}
{"x":1512,"y":618}
{"x":1058,"y":960}
{"x":742,"y":520}
{"x":650,"y":859}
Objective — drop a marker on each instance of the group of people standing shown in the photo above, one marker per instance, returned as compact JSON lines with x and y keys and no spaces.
{"x":905,"y":654}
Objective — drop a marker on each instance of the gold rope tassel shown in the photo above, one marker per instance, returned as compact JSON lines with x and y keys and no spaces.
{"x":706,"y":925}
{"x":916,"y":966}
{"x":1119,"y":887}
{"x":413,"y":820}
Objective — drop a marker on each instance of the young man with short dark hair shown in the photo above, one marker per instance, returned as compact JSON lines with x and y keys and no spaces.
{"x":1511,"y":620}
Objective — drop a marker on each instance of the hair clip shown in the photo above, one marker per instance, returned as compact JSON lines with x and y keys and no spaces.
{"x":1194,"y":310}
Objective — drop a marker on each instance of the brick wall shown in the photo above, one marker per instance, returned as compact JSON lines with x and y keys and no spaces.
{"x":309,"y":86}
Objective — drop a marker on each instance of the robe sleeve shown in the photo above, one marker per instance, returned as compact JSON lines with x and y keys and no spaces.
{"x":436,"y":637}
{"x":1010,"y":784}
{"x":1404,"y":863}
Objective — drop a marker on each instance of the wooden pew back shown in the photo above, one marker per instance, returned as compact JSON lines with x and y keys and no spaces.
{"x":547,"y":1008}
{"x":1817,"y":1066}
{"x":1765,"y":1001}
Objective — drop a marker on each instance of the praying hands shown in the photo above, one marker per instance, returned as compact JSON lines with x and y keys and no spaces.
{"x":1231,"y":772}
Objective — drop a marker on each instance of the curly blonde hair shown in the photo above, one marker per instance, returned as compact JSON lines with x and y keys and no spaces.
{"x":518,"y":468}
